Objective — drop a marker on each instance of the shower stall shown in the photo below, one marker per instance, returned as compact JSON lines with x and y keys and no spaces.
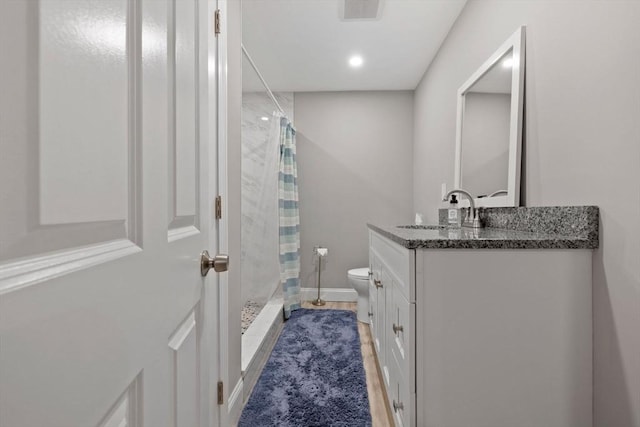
{"x":261,"y":288}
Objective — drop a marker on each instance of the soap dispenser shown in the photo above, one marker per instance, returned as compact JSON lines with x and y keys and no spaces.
{"x":453,"y":213}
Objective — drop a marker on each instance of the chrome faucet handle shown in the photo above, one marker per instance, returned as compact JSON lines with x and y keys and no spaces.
{"x":472,"y":220}
{"x":469,"y":217}
{"x":476,"y":222}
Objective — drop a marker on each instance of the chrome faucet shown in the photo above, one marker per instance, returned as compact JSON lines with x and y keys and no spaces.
{"x":472,"y":219}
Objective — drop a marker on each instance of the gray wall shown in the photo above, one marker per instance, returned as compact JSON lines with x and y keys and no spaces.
{"x":354,"y":167}
{"x":582,"y":147}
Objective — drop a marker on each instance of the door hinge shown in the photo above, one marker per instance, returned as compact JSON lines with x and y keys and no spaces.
{"x":218,"y":207}
{"x":220,"y":392}
{"x":216,"y":24}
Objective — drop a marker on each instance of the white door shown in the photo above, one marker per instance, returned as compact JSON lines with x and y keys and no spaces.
{"x":107,"y":180}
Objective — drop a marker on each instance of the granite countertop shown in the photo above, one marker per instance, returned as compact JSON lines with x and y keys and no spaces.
{"x":522,"y":228}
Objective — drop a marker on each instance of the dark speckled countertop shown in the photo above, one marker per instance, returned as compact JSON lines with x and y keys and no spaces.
{"x":570,"y":227}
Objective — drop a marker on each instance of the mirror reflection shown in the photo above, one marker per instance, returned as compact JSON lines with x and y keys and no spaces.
{"x":485,"y":131}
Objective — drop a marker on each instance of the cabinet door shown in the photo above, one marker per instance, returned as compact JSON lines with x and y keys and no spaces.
{"x":401,"y":398}
{"x":378,"y":310}
{"x":384,"y":329}
{"x":400,"y":344}
{"x":400,"y":324}
{"x":374,"y":315}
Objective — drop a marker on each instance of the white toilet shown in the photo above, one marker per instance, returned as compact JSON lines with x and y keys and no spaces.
{"x":359,"y":280}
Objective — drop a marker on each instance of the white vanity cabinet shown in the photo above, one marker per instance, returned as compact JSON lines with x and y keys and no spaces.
{"x":392,"y":313}
{"x":483,"y":337}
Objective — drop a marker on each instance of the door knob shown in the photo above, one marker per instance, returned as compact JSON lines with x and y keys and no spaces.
{"x":219,"y":263}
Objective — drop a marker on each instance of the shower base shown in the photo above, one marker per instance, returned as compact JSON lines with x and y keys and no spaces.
{"x":250,"y":311}
{"x":258,"y":341}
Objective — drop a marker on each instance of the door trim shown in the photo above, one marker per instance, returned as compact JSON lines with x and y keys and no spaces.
{"x":223,"y":223}
{"x":236,"y":402}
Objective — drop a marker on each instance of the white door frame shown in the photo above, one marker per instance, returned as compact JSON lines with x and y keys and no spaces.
{"x":218,"y":97}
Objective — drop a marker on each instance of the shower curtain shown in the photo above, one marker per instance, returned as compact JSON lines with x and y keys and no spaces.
{"x":289,"y":218}
{"x":260,"y":244}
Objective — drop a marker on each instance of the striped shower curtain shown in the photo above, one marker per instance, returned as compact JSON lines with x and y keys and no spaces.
{"x":289,"y":218}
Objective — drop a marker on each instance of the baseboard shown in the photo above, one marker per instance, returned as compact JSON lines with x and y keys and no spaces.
{"x":236,"y":403}
{"x":330,"y":294}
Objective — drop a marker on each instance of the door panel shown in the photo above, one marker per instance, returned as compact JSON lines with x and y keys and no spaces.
{"x":101,"y":318}
{"x":126,"y":412}
{"x":84,"y":78}
{"x":65,"y":172}
{"x":184,"y":105}
{"x":184,"y":344}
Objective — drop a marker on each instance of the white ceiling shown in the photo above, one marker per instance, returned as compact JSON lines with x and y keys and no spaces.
{"x":303,"y":45}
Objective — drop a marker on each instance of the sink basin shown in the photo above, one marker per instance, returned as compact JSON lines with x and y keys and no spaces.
{"x":424,"y":227}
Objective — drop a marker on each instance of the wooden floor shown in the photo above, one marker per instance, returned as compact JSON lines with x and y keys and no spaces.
{"x":380,"y":412}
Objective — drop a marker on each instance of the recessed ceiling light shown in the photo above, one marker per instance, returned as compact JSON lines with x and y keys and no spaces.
{"x":356,"y":61}
{"x":507,"y":63}
{"x":264,"y":118}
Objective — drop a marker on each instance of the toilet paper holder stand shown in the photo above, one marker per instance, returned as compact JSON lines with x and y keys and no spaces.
{"x":320,"y":253}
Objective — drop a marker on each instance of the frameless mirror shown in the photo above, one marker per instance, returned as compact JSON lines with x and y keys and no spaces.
{"x":489,"y":127}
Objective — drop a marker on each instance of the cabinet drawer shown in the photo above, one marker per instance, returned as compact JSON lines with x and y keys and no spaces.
{"x":398,"y":261}
{"x":401,"y":396}
{"x":400,"y":322}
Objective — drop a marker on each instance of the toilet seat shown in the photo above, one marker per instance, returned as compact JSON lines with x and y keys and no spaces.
{"x":359,"y":273}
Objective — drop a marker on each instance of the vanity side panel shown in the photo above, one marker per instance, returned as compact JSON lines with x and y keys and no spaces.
{"x":505,"y":338}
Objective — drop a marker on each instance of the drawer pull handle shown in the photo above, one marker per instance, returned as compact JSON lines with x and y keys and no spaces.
{"x":370,"y":273}
{"x":397,"y":406}
{"x":370,"y":314}
{"x":397,"y":328}
{"x":377,"y":283}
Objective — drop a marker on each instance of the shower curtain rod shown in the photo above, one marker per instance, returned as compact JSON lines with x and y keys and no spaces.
{"x":264,"y":82}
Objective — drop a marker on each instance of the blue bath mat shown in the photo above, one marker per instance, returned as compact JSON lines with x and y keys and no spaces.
{"x":314,"y":376}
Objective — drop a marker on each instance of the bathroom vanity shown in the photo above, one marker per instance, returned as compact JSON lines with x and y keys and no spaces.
{"x":490,"y":327}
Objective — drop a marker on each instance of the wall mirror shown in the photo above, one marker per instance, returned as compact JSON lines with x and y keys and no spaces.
{"x":489,"y":127}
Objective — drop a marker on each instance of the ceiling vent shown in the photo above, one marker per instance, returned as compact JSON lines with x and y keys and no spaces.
{"x":355,"y":10}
